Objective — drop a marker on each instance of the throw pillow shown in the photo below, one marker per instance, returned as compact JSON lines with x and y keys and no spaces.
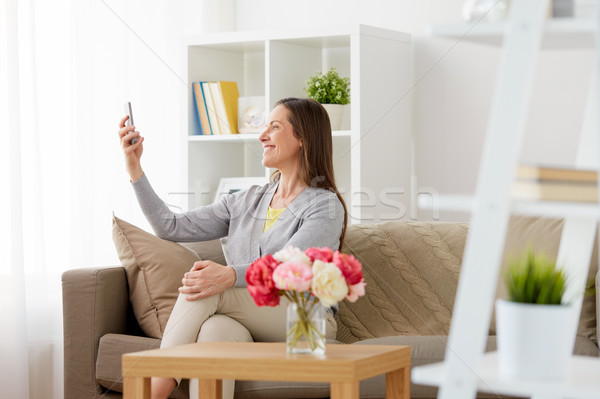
{"x":154,"y":269}
{"x":411,"y":270}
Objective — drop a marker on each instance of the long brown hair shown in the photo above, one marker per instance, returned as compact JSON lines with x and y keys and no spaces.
{"x":312,"y":126}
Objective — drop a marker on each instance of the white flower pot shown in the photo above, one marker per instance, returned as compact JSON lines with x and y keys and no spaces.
{"x":535,"y":341}
{"x":336,"y":114}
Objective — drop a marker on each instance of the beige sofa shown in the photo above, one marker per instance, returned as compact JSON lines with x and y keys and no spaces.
{"x":411,"y":270}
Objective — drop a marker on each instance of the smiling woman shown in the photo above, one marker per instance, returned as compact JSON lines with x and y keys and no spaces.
{"x":300,"y":207}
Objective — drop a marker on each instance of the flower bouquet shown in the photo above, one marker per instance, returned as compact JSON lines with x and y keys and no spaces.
{"x":308,"y":279}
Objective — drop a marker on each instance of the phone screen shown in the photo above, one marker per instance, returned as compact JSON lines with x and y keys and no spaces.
{"x":130,"y":120}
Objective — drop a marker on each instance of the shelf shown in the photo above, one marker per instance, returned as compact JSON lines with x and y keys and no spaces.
{"x":248,"y":137}
{"x":275,"y":64}
{"x":582,"y":381}
{"x":325,"y":36}
{"x":225,"y":138}
{"x":463,"y":203}
{"x":568,"y":33}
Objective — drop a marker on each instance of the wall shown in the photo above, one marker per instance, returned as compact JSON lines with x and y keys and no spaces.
{"x":453,"y":86}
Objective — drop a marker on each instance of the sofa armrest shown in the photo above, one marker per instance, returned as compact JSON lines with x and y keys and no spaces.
{"x":95,"y":302}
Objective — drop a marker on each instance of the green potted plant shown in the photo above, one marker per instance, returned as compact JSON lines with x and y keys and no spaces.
{"x":332,"y":91}
{"x":535,"y":329}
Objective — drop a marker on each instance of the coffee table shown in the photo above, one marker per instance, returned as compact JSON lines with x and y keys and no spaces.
{"x":343,"y":366}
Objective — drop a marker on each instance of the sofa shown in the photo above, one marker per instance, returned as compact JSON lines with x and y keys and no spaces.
{"x":411,"y":272}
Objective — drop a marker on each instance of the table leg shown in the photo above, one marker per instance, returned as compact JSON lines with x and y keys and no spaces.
{"x":397,"y":384}
{"x":344,"y":390}
{"x":210,"y":389}
{"x":136,"y":388}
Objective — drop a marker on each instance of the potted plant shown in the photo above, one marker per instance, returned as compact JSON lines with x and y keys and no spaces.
{"x":535,"y":329}
{"x":332,"y":91}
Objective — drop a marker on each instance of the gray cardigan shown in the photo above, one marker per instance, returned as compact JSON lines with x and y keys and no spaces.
{"x":314,"y":219}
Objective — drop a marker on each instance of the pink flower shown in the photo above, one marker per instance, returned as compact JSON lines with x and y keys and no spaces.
{"x":325,"y":254}
{"x":259,"y":277}
{"x":293,"y":276}
{"x":328,"y":275}
{"x":350,"y":267}
{"x":355,"y":291}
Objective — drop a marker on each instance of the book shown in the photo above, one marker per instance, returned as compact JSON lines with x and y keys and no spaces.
{"x":225,"y":95}
{"x":201,"y":108}
{"x":219,"y":108}
{"x":210,"y":108}
{"x":543,"y":173}
{"x":229,"y":95}
{"x":555,"y":191}
{"x":549,"y":183}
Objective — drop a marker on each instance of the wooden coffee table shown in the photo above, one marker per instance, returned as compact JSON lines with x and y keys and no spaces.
{"x":343,"y":366}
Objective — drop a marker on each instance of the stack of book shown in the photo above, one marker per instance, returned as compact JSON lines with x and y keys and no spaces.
{"x":555,"y":184}
{"x":217,"y":107}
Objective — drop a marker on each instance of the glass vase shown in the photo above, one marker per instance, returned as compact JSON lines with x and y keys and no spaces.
{"x":306,"y":328}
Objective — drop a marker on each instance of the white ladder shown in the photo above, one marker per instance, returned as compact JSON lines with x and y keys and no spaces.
{"x":459,"y":374}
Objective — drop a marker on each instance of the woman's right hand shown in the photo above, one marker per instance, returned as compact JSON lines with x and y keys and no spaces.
{"x":133,"y":152}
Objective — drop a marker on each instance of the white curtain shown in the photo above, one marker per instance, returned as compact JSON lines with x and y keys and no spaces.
{"x":66,"y":68}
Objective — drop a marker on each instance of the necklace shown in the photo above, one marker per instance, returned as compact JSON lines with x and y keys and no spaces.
{"x":279,"y":201}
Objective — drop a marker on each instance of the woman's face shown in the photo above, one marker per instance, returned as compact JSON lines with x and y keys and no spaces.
{"x":280,"y":146}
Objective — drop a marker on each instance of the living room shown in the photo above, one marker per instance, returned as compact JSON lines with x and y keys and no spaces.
{"x":69,"y":66}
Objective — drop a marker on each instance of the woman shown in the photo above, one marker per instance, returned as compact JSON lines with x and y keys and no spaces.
{"x":300,"y":207}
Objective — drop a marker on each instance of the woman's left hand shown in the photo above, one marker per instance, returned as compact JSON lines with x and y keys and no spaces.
{"x":206,"y":278}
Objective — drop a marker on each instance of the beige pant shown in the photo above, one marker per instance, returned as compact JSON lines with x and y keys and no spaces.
{"x":230,"y":316}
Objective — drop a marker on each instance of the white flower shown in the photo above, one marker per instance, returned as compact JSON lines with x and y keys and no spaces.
{"x":292,"y":254}
{"x":328,"y":283}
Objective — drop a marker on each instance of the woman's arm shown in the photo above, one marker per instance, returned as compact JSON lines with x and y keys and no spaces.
{"x":200,"y":224}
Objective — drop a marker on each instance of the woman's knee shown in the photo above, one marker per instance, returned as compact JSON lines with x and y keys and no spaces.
{"x":223,"y":328}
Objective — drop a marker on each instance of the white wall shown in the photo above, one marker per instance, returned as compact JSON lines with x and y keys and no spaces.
{"x":454,"y":84}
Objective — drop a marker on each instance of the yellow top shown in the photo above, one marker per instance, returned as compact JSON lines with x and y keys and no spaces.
{"x":272,"y":216}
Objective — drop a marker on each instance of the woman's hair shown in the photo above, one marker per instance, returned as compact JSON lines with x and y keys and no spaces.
{"x":312,"y":126}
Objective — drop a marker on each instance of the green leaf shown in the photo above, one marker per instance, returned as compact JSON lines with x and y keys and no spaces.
{"x":534,"y":278}
{"x":328,"y":88}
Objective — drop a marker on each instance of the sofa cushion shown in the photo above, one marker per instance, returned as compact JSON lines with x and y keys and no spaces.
{"x":154,"y":269}
{"x":411,"y":270}
{"x":108,"y":365}
{"x":208,"y":250}
{"x":411,"y":273}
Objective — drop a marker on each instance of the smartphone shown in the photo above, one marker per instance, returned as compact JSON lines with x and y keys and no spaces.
{"x":130,"y":120}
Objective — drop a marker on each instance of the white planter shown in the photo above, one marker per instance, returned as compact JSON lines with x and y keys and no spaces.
{"x":336,"y":114}
{"x":535,"y":341}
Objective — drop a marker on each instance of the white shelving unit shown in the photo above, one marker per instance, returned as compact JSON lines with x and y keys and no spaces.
{"x":372,"y":154}
{"x":466,"y":369}
{"x":582,"y":382}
